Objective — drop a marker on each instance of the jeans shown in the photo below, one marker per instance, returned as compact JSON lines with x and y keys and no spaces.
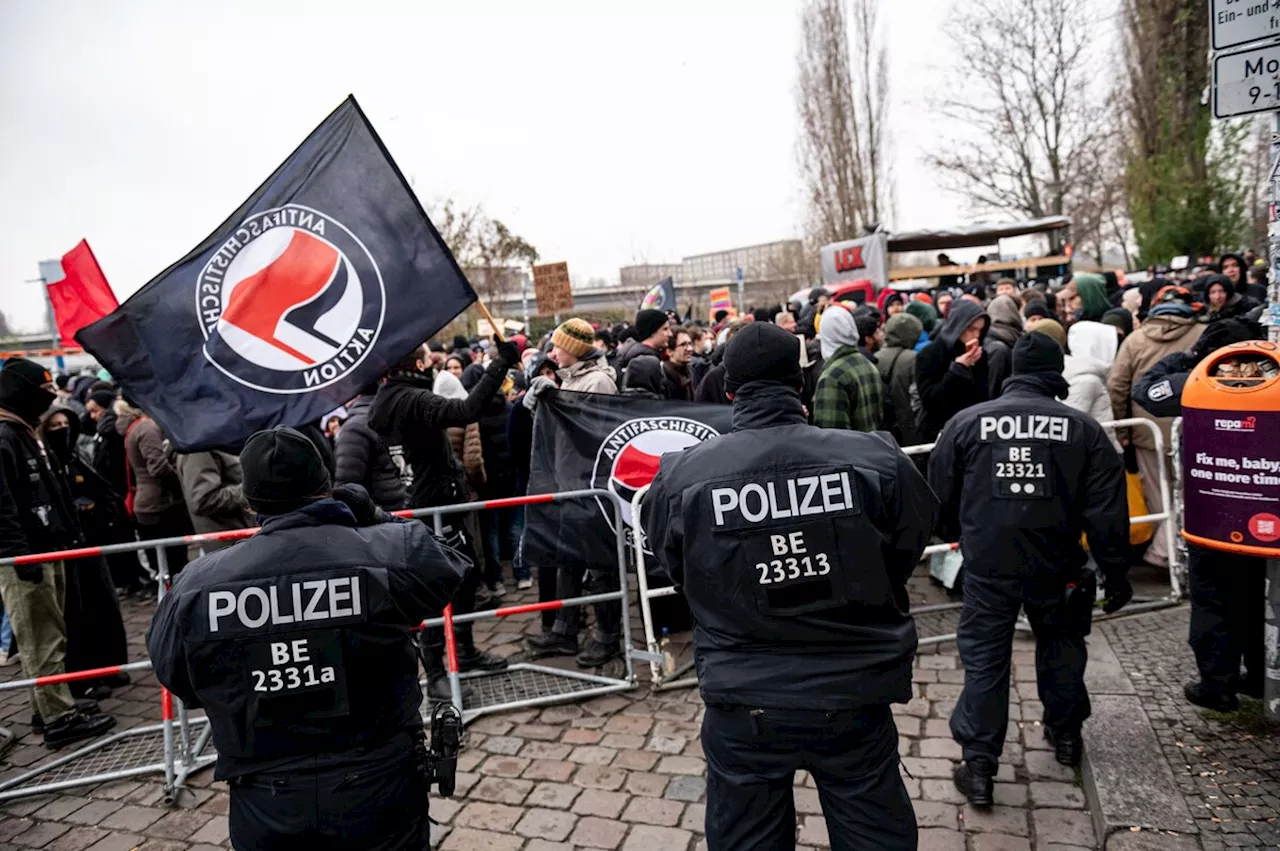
{"x":753,"y":755}
{"x":6,"y":631}
{"x":495,"y":525}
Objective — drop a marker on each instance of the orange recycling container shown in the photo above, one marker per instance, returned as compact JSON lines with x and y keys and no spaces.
{"x":1231,"y":450}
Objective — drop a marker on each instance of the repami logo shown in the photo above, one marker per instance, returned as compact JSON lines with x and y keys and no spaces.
{"x":1247,"y":424}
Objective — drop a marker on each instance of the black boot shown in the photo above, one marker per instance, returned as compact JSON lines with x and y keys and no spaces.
{"x":76,"y":726}
{"x":975,"y":784}
{"x":472,"y":658}
{"x":597,"y":653}
{"x":552,"y":644}
{"x":84,"y":705}
{"x":438,"y":690}
{"x":1068,"y":747}
{"x":1201,"y":696}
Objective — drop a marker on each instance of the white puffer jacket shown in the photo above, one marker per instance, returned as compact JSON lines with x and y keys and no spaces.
{"x":1088,"y":395}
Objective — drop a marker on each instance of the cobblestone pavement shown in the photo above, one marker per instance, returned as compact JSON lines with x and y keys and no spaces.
{"x":1228,"y":769}
{"x":616,"y":772}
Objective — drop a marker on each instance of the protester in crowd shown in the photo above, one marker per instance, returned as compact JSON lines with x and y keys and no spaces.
{"x":107,"y":458}
{"x":646,"y":379}
{"x":951,"y":372}
{"x":1257,"y":286}
{"x":890,"y":302}
{"x":520,"y":444}
{"x":361,"y":457}
{"x":65,"y":398}
{"x":1006,"y":287}
{"x":897,"y":367}
{"x":927,"y":314}
{"x":1120,"y":319}
{"x":677,"y":367}
{"x":1224,"y":301}
{"x":212,"y":488}
{"x":653,"y":337}
{"x":579,"y":373}
{"x":411,"y":419}
{"x":1022,"y":530}
{"x":468,"y":453}
{"x":943,"y":301}
{"x":701,"y":361}
{"x":1034,"y":312}
{"x":1170,"y":327}
{"x":1006,"y":320}
{"x":1086,"y":375}
{"x":607,"y":345}
{"x":870,"y":333}
{"x":313,"y":433}
{"x":95,"y":629}
{"x":455,"y":363}
{"x":1232,"y":267}
{"x":1090,"y":299}
{"x":1094,"y":339}
{"x":974,"y":293}
{"x":786,"y":321}
{"x":1131,"y":300}
{"x":37,"y":516}
{"x":819,"y":298}
{"x":1053,"y":329}
{"x":796,"y":673}
{"x":154,"y":495}
{"x":332,"y":426}
{"x":946,"y":281}
{"x":711,"y":388}
{"x":849,"y":394}
{"x":500,"y":527}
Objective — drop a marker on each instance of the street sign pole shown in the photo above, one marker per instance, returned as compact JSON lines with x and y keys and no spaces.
{"x":55,"y":342}
{"x":1271,"y":599}
{"x":742,"y":301}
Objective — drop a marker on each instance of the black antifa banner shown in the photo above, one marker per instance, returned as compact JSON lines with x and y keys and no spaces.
{"x":614,"y":443}
{"x":326,"y":276}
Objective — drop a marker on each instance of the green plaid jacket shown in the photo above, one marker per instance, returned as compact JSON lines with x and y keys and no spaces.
{"x":850,"y":393}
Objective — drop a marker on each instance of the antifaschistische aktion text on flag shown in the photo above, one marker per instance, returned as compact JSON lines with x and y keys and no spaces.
{"x":325,"y":276}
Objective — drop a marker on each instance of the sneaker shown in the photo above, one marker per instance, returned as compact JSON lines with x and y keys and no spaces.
{"x":551,"y":644}
{"x":524,"y":584}
{"x":76,"y":726}
{"x":498,"y":590}
{"x":598,"y":653}
{"x":1198,"y":694}
{"x":8,"y":657}
{"x":1068,"y":747}
{"x":474,"y":659}
{"x":977,"y":786}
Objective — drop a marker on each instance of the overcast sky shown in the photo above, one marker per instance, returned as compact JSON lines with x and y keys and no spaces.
{"x":604,"y":133}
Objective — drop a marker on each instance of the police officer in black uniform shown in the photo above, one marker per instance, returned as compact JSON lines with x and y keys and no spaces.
{"x":1022,"y":476}
{"x":793,"y":545}
{"x":296,"y":643}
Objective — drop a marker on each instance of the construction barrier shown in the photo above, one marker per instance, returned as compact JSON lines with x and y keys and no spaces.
{"x":675,"y":678}
{"x":180,"y":745}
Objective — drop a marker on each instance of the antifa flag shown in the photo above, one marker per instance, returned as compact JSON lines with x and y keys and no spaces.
{"x":661,"y":296}
{"x":614,"y":443}
{"x":324,"y":278}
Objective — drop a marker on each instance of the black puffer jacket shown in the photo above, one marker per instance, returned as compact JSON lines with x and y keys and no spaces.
{"x":36,"y":510}
{"x":822,"y":625}
{"x":362,"y":459}
{"x":947,"y":388}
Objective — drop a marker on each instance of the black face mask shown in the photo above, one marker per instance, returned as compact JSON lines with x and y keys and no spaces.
{"x":29,"y":402}
{"x":58,"y":442}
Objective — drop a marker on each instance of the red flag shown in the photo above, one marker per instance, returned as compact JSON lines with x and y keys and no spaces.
{"x":81,"y":296}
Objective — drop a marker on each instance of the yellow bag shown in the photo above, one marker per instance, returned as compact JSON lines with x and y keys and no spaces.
{"x":1139,"y":533}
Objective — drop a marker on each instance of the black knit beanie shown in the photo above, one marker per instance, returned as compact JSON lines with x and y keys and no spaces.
{"x":282,"y":471}
{"x":1037,"y":353}
{"x":762,"y":351}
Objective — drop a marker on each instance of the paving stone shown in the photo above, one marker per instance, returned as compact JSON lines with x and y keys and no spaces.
{"x":466,"y":839}
{"x":608,"y":704}
{"x":485,"y":816}
{"x":940,"y":748}
{"x":132,"y":817}
{"x":686,"y":787}
{"x":444,"y":809}
{"x":941,"y":790}
{"x":1042,"y":765}
{"x":996,"y":820}
{"x":934,"y":814}
{"x":1070,"y":827}
{"x":32,"y":834}
{"x":649,"y":785}
{"x":636,"y":760}
{"x":655,"y":811}
{"x":590,"y":755}
{"x":667,"y":744}
{"x":544,"y":845}
{"x":179,"y":825}
{"x":501,"y":790}
{"x":548,"y":769}
{"x":622,"y":741}
{"x":76,"y":839}
{"x":582,"y":737}
{"x":928,"y":768}
{"x":597,"y":802}
{"x":505,"y":766}
{"x":694,"y":818}
{"x":599,"y":777}
{"x":813,"y":830}
{"x":505,"y":745}
{"x":646,"y":838}
{"x":117,"y":842}
{"x":491,"y":725}
{"x":628,"y":725}
{"x":941,"y":839}
{"x":545,"y":750}
{"x":215,"y":832}
{"x":681,"y":765}
{"x":538,"y":732}
{"x":93,"y":812}
{"x":60,"y":807}
{"x":807,"y":802}
{"x":593,"y":832}
{"x":1010,"y":794}
{"x":546,"y":824}
{"x":999,"y":842}
{"x":558,"y":796}
{"x":1048,"y":794}
{"x":560,"y":714}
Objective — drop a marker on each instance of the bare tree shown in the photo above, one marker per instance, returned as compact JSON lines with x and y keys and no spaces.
{"x":486,"y":249}
{"x":843,"y":110}
{"x":1033,"y":132}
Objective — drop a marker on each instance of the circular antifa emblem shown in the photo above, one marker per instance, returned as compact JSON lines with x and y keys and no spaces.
{"x":291,"y":302}
{"x":628,"y":458}
{"x":653,"y":298}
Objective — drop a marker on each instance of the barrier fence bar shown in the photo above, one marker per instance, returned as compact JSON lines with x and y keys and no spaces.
{"x":1169,"y":516}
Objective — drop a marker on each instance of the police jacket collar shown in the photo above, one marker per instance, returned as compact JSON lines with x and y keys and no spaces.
{"x":322,"y":512}
{"x":764,"y":404}
{"x":1050,"y":384}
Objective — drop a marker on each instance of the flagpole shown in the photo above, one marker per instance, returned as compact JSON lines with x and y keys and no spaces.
{"x":497,"y":329}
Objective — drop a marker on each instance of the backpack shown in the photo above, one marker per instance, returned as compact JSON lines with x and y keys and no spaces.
{"x":891,"y":415}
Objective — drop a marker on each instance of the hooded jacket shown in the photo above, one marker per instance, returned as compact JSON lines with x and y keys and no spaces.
{"x":1087,"y":378}
{"x":897,"y":366}
{"x":156,"y":485}
{"x":361,"y":458}
{"x":849,"y":393}
{"x":1094,"y":340}
{"x":645,"y":376}
{"x":36,"y":510}
{"x":1006,"y":320}
{"x":591,"y":374}
{"x":411,"y":419}
{"x":1092,"y":290}
{"x":946,"y":387}
{"x":1158,"y":336}
{"x":825,"y":626}
{"x":1024,"y":518}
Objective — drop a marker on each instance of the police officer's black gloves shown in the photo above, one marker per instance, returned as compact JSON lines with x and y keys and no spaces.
{"x":508,"y":352}
{"x":1118,"y":593}
{"x":362,"y":506}
{"x":30,"y":572}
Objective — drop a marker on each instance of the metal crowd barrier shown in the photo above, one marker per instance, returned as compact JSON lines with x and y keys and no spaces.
{"x":675,"y":678}
{"x":181,"y":752}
